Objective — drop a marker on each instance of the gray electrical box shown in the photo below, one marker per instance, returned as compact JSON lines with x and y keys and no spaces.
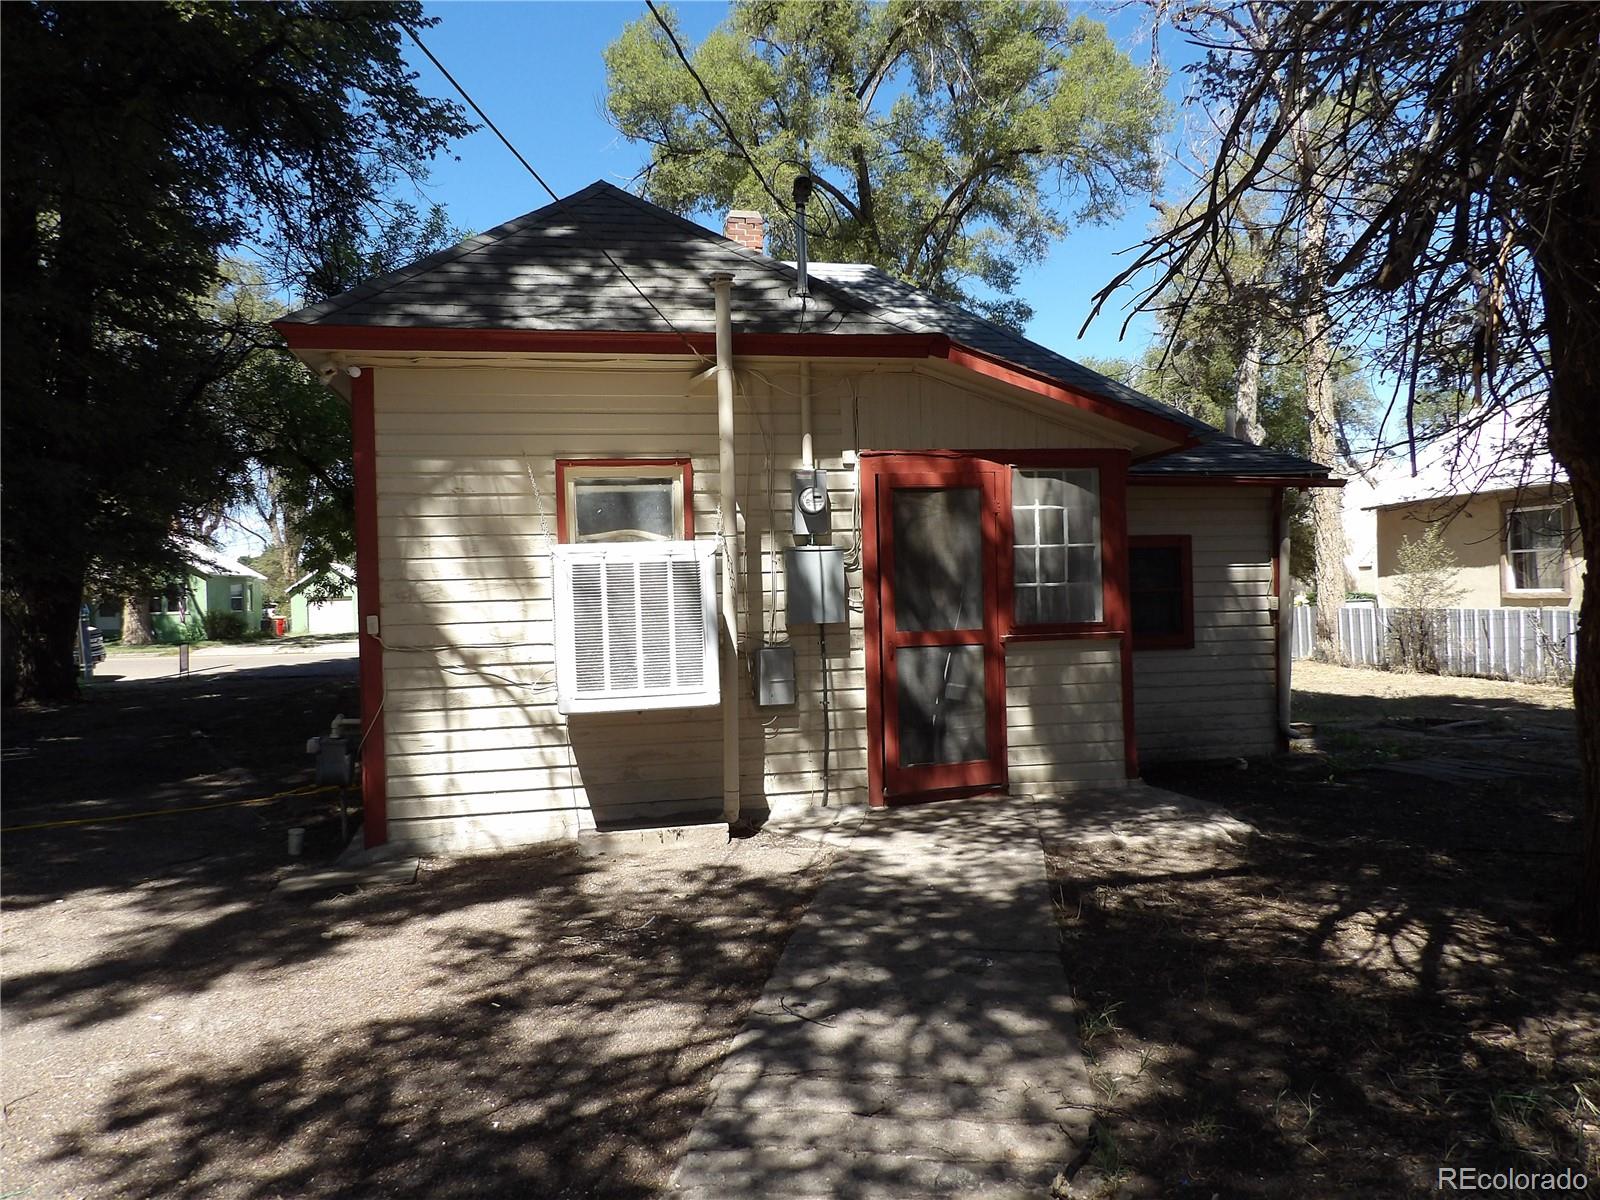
{"x":774,"y":676}
{"x":814,"y":579}
{"x":809,"y":490}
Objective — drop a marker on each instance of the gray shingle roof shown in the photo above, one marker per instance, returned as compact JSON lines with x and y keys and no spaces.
{"x":548,"y":270}
{"x":1223,"y":455}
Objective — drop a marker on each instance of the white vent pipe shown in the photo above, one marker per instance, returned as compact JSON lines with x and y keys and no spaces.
{"x":728,"y":533}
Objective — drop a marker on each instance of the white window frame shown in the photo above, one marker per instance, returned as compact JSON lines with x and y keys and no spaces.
{"x":1071,"y":539}
{"x":1509,"y":568}
{"x":574,"y":471}
{"x":236,"y":598}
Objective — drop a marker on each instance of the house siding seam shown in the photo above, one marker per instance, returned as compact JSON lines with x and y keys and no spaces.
{"x":464,"y":510}
{"x":1216,"y":700}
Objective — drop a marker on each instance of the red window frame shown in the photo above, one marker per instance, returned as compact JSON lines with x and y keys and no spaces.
{"x":563,"y":465}
{"x":1183,"y":543}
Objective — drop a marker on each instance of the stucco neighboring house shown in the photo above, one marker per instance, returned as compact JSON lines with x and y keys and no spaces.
{"x":333,"y":610}
{"x":1502,"y":502}
{"x":713,"y":540}
{"x":215,"y":583}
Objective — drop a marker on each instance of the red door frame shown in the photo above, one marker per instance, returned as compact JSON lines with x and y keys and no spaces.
{"x":886,"y":781}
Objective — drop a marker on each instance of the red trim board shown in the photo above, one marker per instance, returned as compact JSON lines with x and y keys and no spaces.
{"x":374,"y":779}
{"x":301,"y":336}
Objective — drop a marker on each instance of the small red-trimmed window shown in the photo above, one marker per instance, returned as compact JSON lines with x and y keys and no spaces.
{"x":1055,"y":547}
{"x":1161,"y":592}
{"x":625,"y":500}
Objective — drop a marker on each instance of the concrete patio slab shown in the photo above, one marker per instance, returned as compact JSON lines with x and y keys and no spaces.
{"x":917,"y":1037}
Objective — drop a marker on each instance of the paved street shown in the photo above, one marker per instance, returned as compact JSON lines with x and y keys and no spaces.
{"x":326,"y":658}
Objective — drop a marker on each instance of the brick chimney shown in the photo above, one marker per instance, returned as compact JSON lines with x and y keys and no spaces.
{"x":745,"y":226}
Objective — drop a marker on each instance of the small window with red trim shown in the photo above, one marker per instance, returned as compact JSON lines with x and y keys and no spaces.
{"x":641,"y":500}
{"x":1055,"y":565}
{"x":1161,"y":587}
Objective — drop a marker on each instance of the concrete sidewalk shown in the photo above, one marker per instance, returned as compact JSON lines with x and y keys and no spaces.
{"x":916,"y":1038}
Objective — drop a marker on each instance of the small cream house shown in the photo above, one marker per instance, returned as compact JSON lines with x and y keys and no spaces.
{"x":1502,"y":503}
{"x":649,"y":526}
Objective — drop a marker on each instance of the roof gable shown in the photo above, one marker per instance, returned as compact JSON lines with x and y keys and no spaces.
{"x":554,"y":273}
{"x":549,"y":270}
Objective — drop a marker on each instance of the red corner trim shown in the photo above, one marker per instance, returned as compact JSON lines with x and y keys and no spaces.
{"x":873,"y":628}
{"x":374,"y":781}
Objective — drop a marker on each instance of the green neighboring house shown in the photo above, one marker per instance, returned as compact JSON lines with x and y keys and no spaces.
{"x":334,"y":612}
{"x":215,"y":583}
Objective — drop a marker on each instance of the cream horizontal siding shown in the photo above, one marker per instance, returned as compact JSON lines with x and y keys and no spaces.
{"x":1217,"y":700}
{"x":1064,"y":714}
{"x":478,"y":753}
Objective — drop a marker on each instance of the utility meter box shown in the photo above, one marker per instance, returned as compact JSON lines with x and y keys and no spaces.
{"x":814,"y":577}
{"x":774,"y":676}
{"x":811,"y":509}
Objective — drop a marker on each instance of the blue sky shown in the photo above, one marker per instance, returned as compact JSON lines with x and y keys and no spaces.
{"x":536,"y":69}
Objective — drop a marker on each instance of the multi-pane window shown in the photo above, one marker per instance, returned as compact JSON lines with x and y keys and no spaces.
{"x":1055,"y":518}
{"x":236,"y":597}
{"x":608,"y":502}
{"x":1536,"y":549}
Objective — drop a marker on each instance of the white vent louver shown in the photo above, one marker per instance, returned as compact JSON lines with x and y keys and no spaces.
{"x":636,"y":625}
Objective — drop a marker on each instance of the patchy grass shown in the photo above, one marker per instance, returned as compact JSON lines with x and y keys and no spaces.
{"x":1370,"y":988}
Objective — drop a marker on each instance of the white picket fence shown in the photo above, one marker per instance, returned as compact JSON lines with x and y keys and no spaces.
{"x":1528,"y":644}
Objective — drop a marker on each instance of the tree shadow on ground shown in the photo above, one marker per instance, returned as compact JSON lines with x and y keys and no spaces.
{"x":1365,"y":991}
{"x":566,"y":1019}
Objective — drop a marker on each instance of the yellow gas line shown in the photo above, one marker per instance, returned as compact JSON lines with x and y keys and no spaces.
{"x":167,"y":812}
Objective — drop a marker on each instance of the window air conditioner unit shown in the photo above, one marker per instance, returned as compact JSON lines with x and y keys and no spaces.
{"x":636,"y":625}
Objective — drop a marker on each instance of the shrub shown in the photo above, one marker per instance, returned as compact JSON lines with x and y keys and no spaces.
{"x":225,"y":626}
{"x":1425,"y":589}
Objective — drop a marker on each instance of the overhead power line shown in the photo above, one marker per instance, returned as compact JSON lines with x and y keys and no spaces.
{"x":539,"y":179}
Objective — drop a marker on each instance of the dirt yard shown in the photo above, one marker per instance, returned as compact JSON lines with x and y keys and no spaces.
{"x":1368,"y":988}
{"x":540,"y":1024}
{"x":530,"y":1025}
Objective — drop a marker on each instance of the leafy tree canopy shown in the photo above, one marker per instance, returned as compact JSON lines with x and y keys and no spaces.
{"x":142,"y":142}
{"x":951,"y":143}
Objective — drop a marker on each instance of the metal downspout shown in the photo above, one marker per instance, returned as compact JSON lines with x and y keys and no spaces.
{"x":728,"y":536}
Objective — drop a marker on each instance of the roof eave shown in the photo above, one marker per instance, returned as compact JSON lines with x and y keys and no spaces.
{"x":318,"y":336}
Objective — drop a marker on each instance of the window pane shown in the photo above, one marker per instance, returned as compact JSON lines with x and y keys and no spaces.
{"x":942,"y":714}
{"x":1059,"y":512}
{"x":938,"y":558}
{"x":615,"y":509}
{"x":1535,"y":529}
{"x":1158,"y":613}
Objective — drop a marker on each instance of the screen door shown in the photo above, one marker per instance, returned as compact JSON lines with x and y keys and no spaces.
{"x":942,"y":674}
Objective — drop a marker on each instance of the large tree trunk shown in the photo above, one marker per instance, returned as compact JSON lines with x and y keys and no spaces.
{"x":1327,"y":509}
{"x":42,"y":623}
{"x":136,"y":629}
{"x":1567,"y":258}
{"x":1248,"y":391}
